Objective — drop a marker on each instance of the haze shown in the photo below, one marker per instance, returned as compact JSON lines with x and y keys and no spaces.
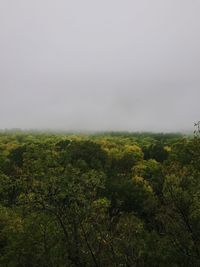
{"x":100,"y":65}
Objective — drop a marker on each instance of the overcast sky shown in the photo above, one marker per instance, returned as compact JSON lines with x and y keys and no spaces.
{"x":100,"y":64}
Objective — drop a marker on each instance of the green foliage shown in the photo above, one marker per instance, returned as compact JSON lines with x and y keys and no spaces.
{"x":156,"y":151}
{"x":116,"y":199}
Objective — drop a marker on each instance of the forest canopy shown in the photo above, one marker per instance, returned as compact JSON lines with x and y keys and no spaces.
{"x":107,"y":199}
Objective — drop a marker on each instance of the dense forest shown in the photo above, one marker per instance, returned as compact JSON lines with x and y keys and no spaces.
{"x":99,"y":200}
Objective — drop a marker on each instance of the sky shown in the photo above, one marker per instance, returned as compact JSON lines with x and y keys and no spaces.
{"x":109,"y":65}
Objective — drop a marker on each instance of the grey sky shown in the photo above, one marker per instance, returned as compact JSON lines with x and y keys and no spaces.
{"x":100,"y":65}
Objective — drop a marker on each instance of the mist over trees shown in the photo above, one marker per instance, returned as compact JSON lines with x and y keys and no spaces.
{"x":86,"y":190}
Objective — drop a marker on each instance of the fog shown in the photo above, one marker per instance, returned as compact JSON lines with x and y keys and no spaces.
{"x":100,"y":65}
